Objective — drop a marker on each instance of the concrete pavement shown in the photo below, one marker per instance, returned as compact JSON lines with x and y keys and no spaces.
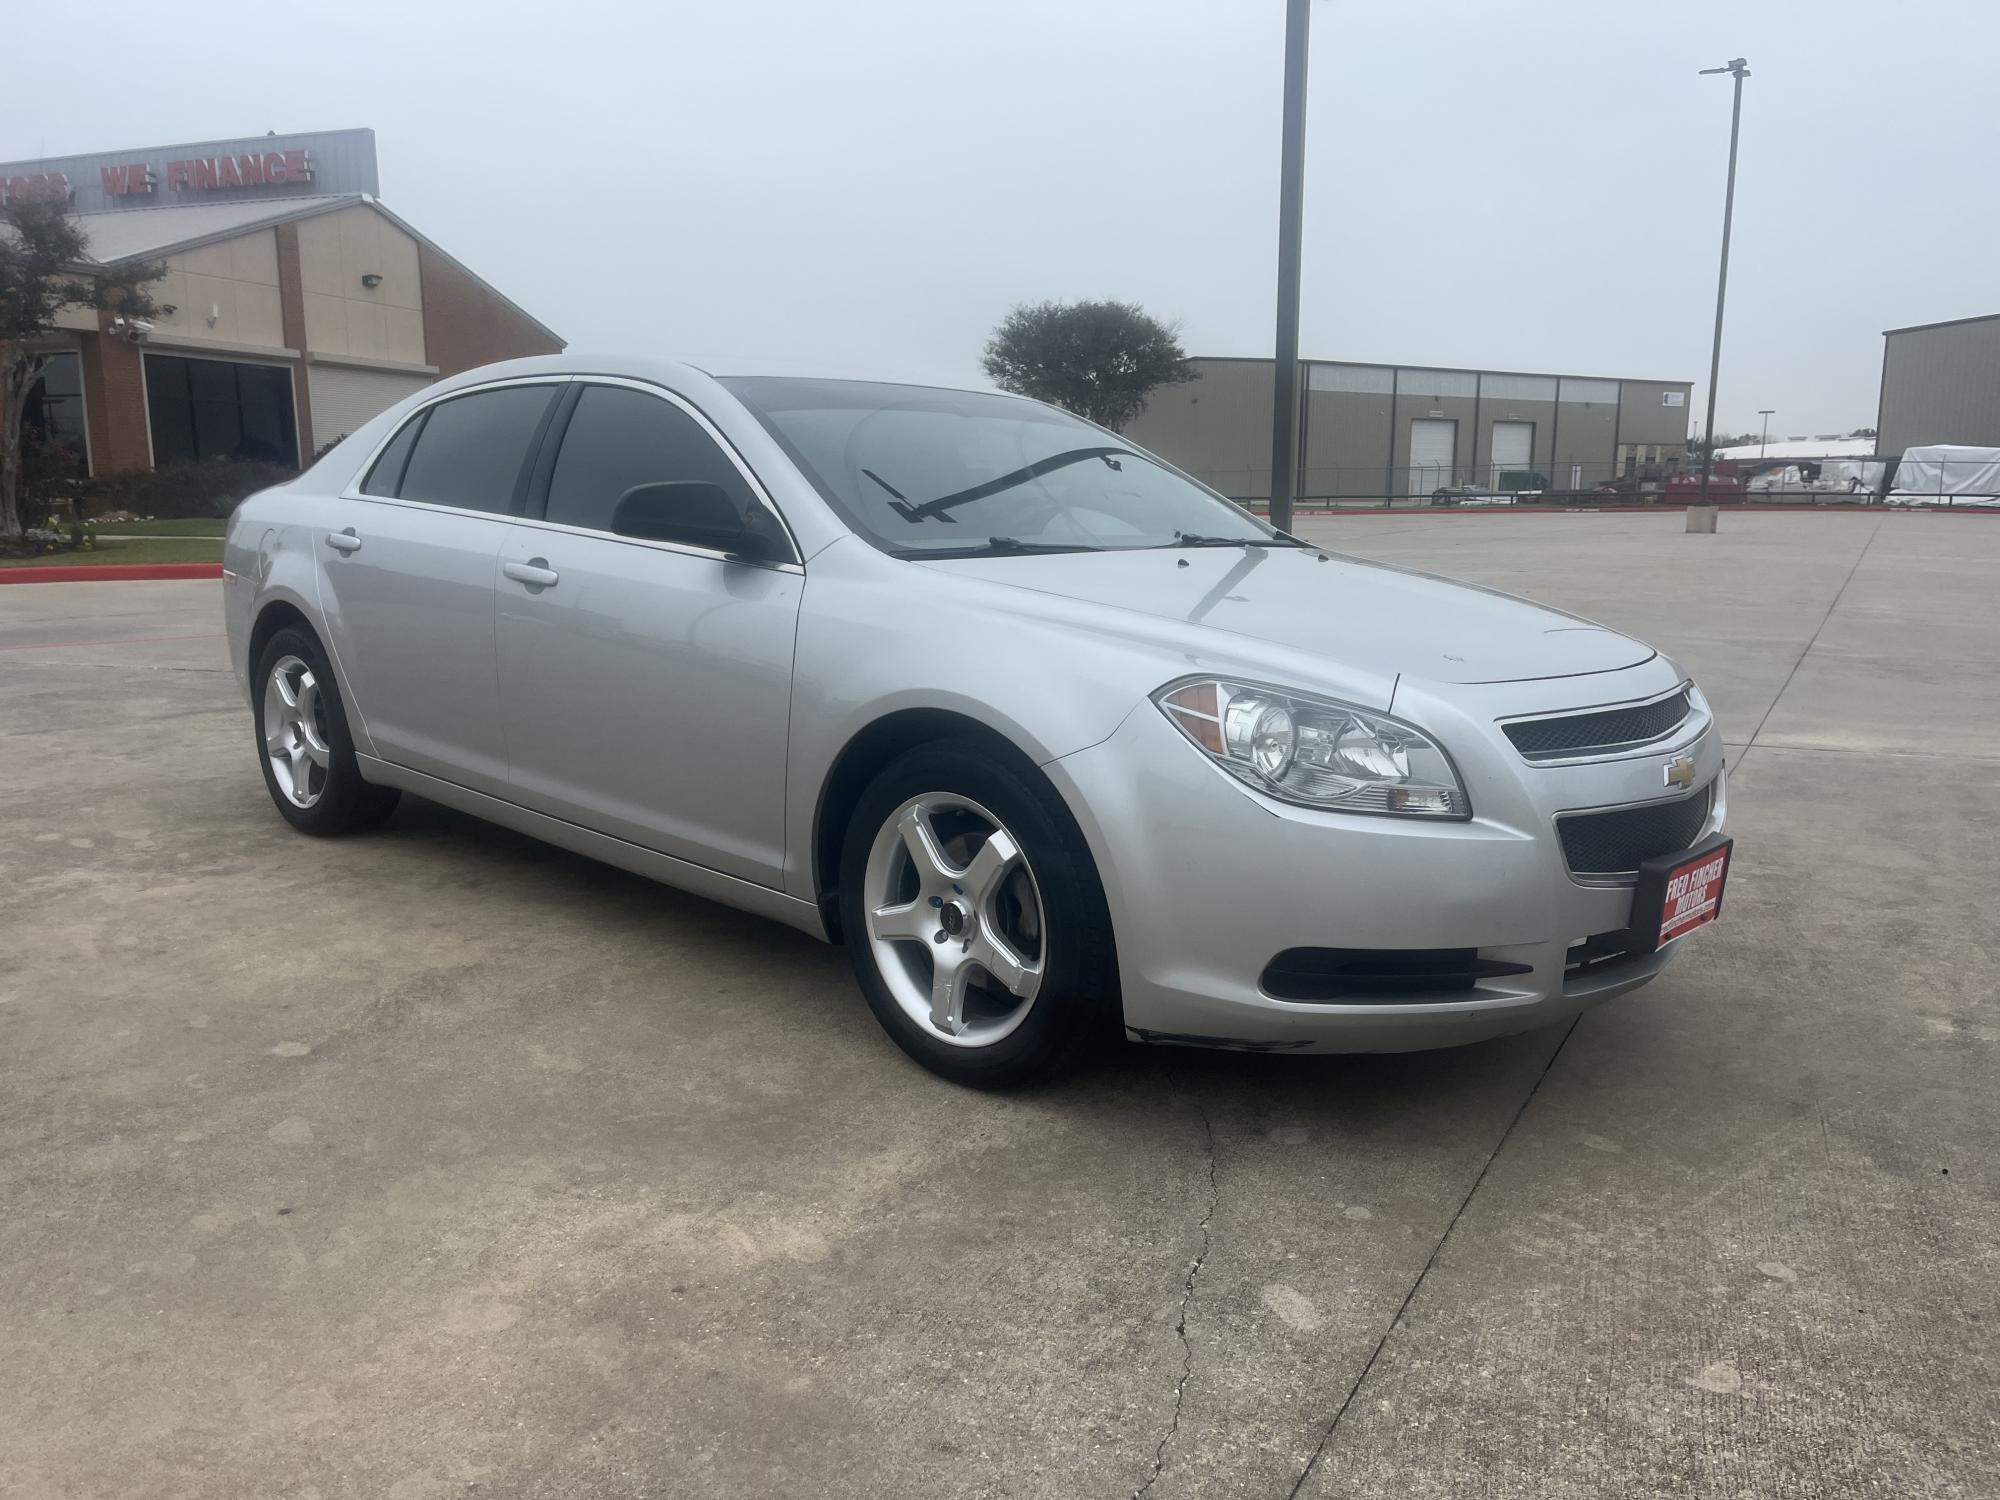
{"x":438,"y":1162}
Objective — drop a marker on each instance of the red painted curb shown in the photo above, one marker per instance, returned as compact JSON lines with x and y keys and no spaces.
{"x":110,"y":572}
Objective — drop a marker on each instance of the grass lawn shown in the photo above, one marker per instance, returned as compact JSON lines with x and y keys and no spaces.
{"x":199,"y":526}
{"x":193,"y":549}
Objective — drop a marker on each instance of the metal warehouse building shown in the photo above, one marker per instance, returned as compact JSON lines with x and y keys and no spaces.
{"x":1940,"y":384}
{"x":1375,"y":431}
{"x":295,"y":305}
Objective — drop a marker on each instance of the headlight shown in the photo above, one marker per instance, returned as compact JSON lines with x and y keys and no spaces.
{"x":1314,"y":751}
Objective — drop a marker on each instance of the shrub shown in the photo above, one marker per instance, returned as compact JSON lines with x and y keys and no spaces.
{"x":213,"y":487}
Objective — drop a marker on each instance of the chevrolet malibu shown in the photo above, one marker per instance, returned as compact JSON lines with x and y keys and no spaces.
{"x":1054,"y":738}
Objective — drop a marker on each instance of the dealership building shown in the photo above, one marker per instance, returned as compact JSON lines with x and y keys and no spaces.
{"x":1373,"y":431}
{"x":1940,"y":384}
{"x":295,"y":304}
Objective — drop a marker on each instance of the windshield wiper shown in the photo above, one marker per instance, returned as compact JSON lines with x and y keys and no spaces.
{"x":936,"y":509}
{"x":993,"y":545}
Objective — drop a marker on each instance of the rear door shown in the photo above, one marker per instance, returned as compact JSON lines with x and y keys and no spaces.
{"x":407,"y":584}
{"x":646,"y":685}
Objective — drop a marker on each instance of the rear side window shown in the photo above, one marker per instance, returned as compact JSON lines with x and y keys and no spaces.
{"x":387,"y":475}
{"x":470,"y":451}
{"x":618,"y":438}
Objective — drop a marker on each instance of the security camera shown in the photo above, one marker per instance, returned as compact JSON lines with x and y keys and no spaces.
{"x":132,"y":329}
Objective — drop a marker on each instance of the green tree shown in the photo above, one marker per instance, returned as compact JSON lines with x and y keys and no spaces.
{"x":1098,"y":359}
{"x":45,"y":267}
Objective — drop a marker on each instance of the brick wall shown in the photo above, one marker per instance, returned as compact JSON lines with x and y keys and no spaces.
{"x":466,"y":325}
{"x":114,"y":403}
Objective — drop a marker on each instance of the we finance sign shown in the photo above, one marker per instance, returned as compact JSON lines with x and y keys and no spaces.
{"x":207,"y":174}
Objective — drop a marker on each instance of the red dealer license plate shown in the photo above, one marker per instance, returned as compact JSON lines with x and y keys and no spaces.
{"x":1678,"y":893}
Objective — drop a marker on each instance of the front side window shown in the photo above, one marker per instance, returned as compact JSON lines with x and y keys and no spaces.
{"x":924,"y":472}
{"x":619,"y":439}
{"x":202,"y":409}
{"x":470,"y":450}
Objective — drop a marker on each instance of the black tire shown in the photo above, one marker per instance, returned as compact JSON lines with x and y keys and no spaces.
{"x":1077,"y":1007}
{"x":346,"y":804}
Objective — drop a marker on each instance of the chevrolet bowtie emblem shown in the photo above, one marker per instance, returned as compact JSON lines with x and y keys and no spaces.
{"x":1679,"y":771}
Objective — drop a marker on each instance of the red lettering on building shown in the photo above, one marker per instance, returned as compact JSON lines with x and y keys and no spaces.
{"x":225,"y":172}
{"x":177,"y":175}
{"x":251,"y":170}
{"x":202,"y":172}
{"x":297,"y":167}
{"x":274,"y":166}
{"x":42,"y":187}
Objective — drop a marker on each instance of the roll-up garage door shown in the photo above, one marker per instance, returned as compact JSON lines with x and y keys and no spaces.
{"x":1513,"y":448}
{"x":1433,"y":449}
{"x":343,"y":398}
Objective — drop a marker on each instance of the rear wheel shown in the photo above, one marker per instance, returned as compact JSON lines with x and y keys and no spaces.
{"x":974,"y":917}
{"x":307,"y":752}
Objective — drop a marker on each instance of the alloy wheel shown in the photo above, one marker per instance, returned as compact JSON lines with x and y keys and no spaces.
{"x":295,"y":732}
{"x":955,"y":919}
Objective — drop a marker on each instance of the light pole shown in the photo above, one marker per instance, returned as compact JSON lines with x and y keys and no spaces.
{"x":1739,"y":69}
{"x":1291,"y":199}
{"x":1766,"y":412}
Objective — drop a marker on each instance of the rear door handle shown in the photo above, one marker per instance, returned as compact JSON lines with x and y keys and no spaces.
{"x":536,"y":573}
{"x":343,"y":541}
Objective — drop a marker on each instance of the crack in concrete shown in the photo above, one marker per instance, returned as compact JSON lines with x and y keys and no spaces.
{"x":1326,"y":1437}
{"x":1187,"y":1300}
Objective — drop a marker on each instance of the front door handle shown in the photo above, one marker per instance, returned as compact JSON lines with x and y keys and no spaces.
{"x":535,"y":573}
{"x":343,"y":541}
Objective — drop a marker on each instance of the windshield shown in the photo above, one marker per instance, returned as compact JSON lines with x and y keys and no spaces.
{"x":926,"y":472}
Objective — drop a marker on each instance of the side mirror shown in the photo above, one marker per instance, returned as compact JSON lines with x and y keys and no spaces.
{"x":694,"y":513}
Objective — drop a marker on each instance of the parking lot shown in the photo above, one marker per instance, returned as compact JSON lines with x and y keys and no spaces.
{"x":438,"y":1162}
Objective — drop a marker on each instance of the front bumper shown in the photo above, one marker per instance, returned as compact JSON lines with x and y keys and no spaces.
{"x":1208,"y":881}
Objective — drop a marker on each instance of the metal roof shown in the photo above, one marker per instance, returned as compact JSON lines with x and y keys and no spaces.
{"x":139,"y":233}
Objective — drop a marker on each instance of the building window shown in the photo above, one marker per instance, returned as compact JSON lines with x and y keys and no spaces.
{"x":215,"y":408}
{"x":54,"y":414}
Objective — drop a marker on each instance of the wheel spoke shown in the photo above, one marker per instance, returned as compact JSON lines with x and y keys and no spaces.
{"x":277,"y":735}
{"x":1022,"y":979}
{"x":287,"y":694}
{"x":301,"y":785}
{"x":948,"y":977}
{"x":933,"y":869}
{"x":988,"y":871}
{"x":314,"y":744}
{"x":308,"y":696}
{"x":913,"y":921}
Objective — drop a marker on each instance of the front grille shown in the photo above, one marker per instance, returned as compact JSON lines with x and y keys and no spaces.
{"x":1616,"y":843}
{"x":1603,"y":730}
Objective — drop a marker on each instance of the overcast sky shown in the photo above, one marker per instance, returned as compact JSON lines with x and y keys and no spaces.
{"x":865,"y":186}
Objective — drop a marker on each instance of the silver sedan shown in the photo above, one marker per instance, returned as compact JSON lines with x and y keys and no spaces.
{"x":1054,"y":738}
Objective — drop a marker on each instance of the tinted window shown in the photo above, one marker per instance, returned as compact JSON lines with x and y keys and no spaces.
{"x":55,"y":412}
{"x":387,"y":475}
{"x":618,"y":438}
{"x":470,"y":451}
{"x":215,"y":408}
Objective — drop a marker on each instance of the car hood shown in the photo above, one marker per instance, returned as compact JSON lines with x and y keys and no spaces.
{"x":1367,"y":615}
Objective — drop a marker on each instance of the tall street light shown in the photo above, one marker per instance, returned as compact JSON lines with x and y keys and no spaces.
{"x":1739,"y":69}
{"x":1766,"y":412}
{"x":1291,"y":199}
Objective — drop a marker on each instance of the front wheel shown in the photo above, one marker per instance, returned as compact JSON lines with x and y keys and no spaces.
{"x":974,"y":917}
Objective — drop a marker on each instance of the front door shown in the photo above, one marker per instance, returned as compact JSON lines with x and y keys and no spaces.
{"x":646,"y":686}
{"x":407,"y":582}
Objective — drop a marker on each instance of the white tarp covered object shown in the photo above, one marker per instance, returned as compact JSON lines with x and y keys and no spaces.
{"x":1947,"y":474}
